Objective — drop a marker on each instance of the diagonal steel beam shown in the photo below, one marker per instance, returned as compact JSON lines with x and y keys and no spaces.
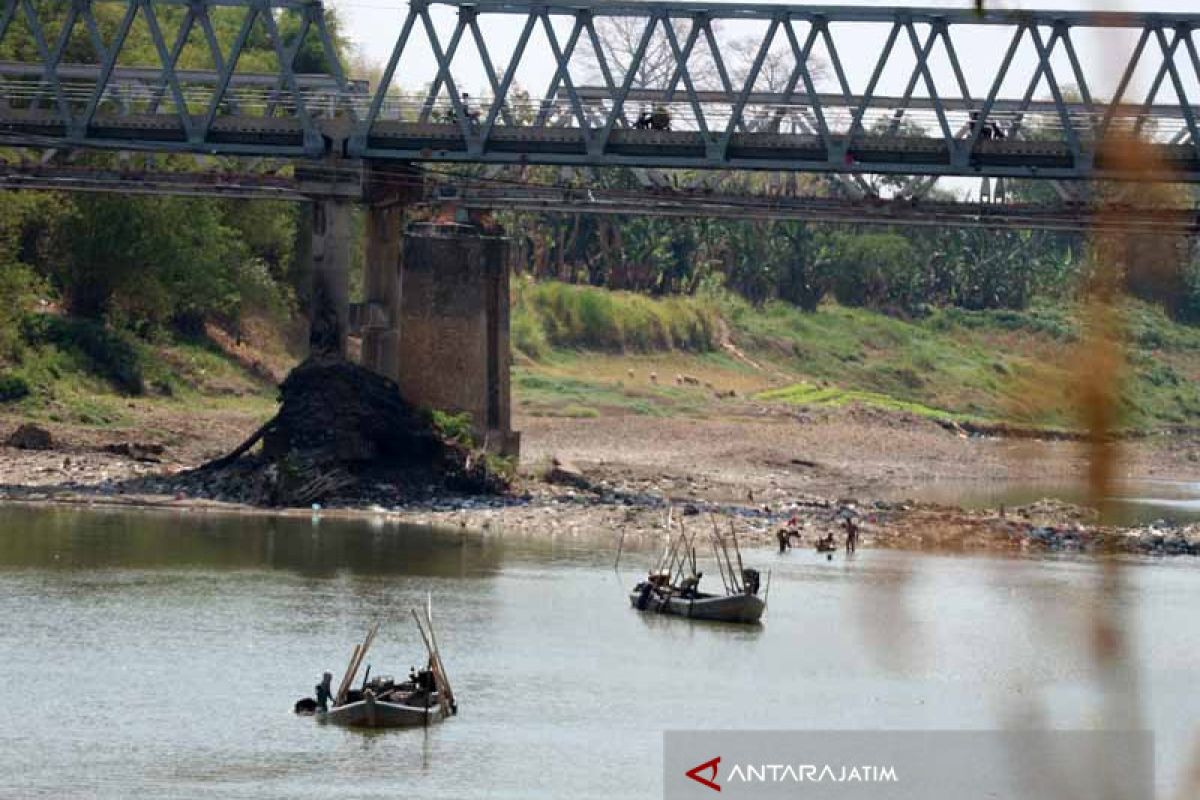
{"x":722,"y":147}
{"x":922,"y":53}
{"x":562,"y":74}
{"x":1064,"y":117}
{"x":385,"y":82}
{"x":562,"y":57}
{"x":993,"y":93}
{"x":110,"y":61}
{"x":181,"y":39}
{"x":682,"y":72}
{"x":857,"y":118}
{"x":443,"y":61}
{"x":597,"y":144}
{"x":50,"y":58}
{"x":1189,"y":115}
{"x":489,"y":69}
{"x":1160,"y":76}
{"x":225,"y":72}
{"x":814,"y":101}
{"x":1123,"y":84}
{"x":168,"y":68}
{"x":506,"y":82}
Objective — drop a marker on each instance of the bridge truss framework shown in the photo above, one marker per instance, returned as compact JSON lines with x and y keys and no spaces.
{"x":721,"y":115}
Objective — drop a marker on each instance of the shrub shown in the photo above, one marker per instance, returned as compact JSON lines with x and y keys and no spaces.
{"x":12,"y":387}
{"x":108,"y":354}
{"x":564,"y":315}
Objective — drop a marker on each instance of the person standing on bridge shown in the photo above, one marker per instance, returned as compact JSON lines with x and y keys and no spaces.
{"x":472,"y":114}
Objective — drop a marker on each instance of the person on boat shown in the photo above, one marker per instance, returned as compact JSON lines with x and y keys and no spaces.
{"x":750,"y":580}
{"x":690,"y":586}
{"x":324,"y":693}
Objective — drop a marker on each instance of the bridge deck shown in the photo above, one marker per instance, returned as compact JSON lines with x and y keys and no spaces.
{"x":556,"y":145}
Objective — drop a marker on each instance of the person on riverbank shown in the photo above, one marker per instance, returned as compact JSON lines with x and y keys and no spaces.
{"x":324,"y":692}
{"x":851,"y":534}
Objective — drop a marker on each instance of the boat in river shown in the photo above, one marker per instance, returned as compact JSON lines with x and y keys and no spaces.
{"x":382,"y":702}
{"x":744,"y":608}
{"x":673,"y":586}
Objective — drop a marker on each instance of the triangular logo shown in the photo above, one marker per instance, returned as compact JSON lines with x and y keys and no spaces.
{"x":711,"y":781}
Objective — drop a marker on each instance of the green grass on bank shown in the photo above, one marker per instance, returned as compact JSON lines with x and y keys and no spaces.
{"x":1019,"y":367}
{"x":79,"y":371}
{"x":558,"y":315}
{"x":1011,"y":366}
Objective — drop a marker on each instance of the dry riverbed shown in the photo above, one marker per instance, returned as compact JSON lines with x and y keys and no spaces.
{"x":757,"y":465}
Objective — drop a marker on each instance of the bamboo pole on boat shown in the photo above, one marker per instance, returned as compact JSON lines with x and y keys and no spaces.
{"x":687,"y":548}
{"x":443,"y":700}
{"x":713,"y":537}
{"x":437,"y":650}
{"x":737,"y":549}
{"x":344,"y":686}
{"x":620,"y":545}
{"x":734,"y":579}
{"x":356,"y":660}
{"x":667,"y":544}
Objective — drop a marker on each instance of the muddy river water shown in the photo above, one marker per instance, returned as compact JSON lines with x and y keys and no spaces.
{"x":158,"y":655}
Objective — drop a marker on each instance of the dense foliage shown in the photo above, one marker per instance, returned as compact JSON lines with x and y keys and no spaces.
{"x":147,"y":267}
{"x":897,"y":270}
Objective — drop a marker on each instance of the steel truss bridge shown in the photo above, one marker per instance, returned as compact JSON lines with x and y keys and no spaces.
{"x":789,"y":104}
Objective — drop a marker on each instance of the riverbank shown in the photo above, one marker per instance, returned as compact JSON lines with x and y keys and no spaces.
{"x":757,"y":465}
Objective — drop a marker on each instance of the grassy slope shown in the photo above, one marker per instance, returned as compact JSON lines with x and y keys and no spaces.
{"x":995,"y":366}
{"x":77,"y":373}
{"x":583,"y":352}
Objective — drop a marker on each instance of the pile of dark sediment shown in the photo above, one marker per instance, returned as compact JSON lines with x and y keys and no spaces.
{"x":343,"y":434}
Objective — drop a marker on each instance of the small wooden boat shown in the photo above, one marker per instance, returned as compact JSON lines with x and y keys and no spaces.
{"x":423,"y":708}
{"x":673,"y":587}
{"x":744,"y":608}
{"x":381,"y":702}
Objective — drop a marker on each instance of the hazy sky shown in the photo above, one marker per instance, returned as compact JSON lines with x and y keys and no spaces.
{"x":374,"y":25}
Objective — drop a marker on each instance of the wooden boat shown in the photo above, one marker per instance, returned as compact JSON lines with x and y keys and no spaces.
{"x":825,"y":546}
{"x":673,"y":587}
{"x":743,"y":608}
{"x":425,"y":698}
{"x":373,"y":713}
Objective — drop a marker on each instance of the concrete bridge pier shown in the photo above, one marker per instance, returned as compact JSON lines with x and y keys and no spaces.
{"x":381,"y":316}
{"x":329,"y":306}
{"x":454,"y":349}
{"x":435,"y":311}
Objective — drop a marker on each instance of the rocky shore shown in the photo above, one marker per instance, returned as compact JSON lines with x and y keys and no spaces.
{"x":616,"y":476}
{"x":564,"y":500}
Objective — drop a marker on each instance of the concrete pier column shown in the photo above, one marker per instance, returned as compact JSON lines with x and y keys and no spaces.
{"x":454,"y":322}
{"x":381,"y":285}
{"x":329,"y":307}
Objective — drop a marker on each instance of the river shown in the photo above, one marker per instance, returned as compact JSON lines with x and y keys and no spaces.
{"x":159,"y":654}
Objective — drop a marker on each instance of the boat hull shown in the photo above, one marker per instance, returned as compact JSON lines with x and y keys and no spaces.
{"x":371,"y":713}
{"x":742,"y":608}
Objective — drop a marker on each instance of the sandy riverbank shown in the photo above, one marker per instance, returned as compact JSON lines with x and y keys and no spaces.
{"x":758,"y":466}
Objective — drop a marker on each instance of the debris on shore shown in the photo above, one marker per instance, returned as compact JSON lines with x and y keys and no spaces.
{"x":343,"y":432}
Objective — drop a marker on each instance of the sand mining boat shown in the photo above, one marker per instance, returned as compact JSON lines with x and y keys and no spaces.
{"x":673,"y":586}
{"x":382,"y":702}
{"x":744,"y":608}
{"x":405,"y":706}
